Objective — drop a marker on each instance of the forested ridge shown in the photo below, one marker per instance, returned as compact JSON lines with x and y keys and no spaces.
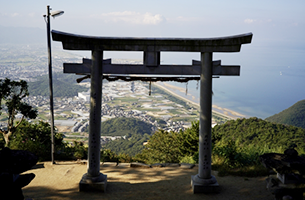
{"x":294,"y":115}
{"x":136,"y":131}
{"x":64,"y":85}
{"x":125,"y":126}
{"x":259,"y":134}
{"x":242,"y":136}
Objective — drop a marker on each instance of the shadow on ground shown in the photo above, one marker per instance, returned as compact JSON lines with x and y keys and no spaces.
{"x":61,"y":182}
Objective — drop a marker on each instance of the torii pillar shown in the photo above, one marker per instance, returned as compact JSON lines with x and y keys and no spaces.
{"x":93,"y":179}
{"x":203,"y":182}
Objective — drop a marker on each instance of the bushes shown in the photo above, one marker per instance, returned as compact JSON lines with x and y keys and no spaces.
{"x":162,"y":147}
{"x":80,"y":151}
{"x":231,"y":156}
{"x":36,"y":138}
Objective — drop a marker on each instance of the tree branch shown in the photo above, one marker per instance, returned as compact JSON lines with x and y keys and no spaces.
{"x":20,"y":121}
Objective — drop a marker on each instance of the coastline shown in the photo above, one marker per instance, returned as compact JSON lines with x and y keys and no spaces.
{"x":215,"y":109}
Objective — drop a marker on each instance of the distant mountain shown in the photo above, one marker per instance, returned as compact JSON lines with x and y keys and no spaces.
{"x":294,"y":115}
{"x":22,"y":35}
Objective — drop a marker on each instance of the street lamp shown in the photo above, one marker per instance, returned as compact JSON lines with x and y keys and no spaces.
{"x":47,"y":19}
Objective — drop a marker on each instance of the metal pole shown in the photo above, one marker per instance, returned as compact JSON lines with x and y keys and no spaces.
{"x":50,"y":84}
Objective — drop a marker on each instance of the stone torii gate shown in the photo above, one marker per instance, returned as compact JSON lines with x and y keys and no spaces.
{"x":203,"y":182}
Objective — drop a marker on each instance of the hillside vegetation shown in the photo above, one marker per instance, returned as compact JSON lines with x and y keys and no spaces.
{"x":239,"y":143}
{"x":131,"y":146}
{"x":64,"y":85}
{"x":294,"y":115}
{"x":259,"y":133}
{"x":136,"y":131}
{"x":125,"y":126}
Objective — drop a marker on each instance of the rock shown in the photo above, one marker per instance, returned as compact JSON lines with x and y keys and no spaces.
{"x":187,"y":165}
{"x":172,"y":164}
{"x":135,"y":164}
{"x":291,"y":153}
{"x":157,"y":165}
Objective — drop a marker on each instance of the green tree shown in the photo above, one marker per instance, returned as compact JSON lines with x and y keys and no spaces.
{"x":162,"y":147}
{"x":190,"y":140}
{"x":12,"y":93}
{"x":36,"y":138}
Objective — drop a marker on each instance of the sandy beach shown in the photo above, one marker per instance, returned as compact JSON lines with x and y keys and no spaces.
{"x":217,"y":109}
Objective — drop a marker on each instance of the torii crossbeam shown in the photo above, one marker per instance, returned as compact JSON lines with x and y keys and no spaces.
{"x":203,"y":182}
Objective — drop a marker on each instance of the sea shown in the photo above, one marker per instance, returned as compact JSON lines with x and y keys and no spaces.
{"x":258,"y":92}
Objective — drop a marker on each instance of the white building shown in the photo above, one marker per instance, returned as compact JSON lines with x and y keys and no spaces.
{"x":84,"y":95}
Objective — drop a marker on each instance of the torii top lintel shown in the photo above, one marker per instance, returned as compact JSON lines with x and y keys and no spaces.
{"x":220,"y":44}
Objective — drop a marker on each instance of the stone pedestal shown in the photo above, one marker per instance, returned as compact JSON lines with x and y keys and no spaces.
{"x":200,"y":185}
{"x":89,"y":183}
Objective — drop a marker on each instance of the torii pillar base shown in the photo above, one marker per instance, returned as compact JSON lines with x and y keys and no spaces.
{"x":88,"y":184}
{"x":206,"y":186}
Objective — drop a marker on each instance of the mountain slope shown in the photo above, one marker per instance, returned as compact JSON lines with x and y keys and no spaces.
{"x":294,"y":115}
{"x":64,"y":85}
{"x":258,"y":132}
{"x":124,"y":126}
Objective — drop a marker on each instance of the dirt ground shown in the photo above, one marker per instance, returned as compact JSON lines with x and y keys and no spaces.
{"x":60,"y":181}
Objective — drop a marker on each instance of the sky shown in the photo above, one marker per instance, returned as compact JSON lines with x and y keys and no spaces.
{"x":275,"y":24}
{"x":278,"y":28}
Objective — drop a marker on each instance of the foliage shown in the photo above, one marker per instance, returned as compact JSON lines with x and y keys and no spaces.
{"x":188,"y":159}
{"x":190,"y":140}
{"x":124,"y":158}
{"x":123,"y":126}
{"x":108,"y":156}
{"x":12,"y":92}
{"x":132,"y":145}
{"x":168,"y":147}
{"x":162,"y":147}
{"x":254,"y":131}
{"x":36,"y":138}
{"x":79,"y":150}
{"x":239,"y":143}
{"x":294,"y":115}
{"x":64,"y":85}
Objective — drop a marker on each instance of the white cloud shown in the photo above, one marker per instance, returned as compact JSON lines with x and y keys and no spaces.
{"x":249,"y":21}
{"x":153,"y":19}
{"x":131,"y":17}
{"x":15,"y":14}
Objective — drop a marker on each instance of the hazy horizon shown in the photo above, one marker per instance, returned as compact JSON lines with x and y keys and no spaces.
{"x":277,"y":47}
